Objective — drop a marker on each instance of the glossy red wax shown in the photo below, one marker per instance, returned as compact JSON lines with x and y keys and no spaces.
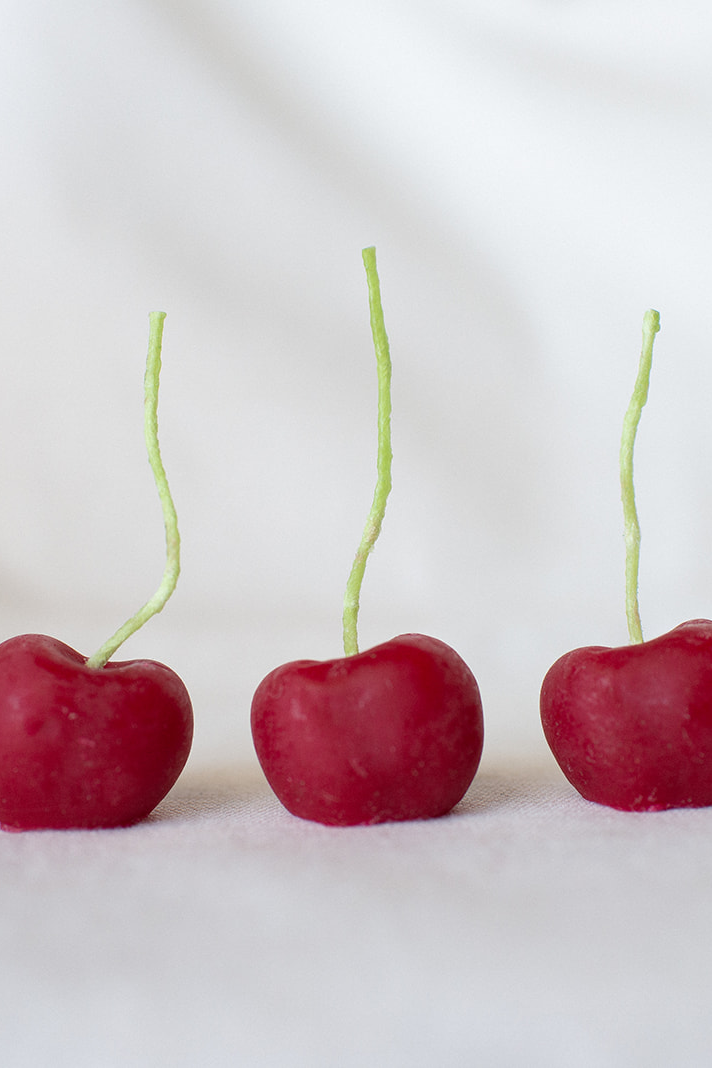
{"x":392,"y":733}
{"x":82,"y":747}
{"x":631,"y":727}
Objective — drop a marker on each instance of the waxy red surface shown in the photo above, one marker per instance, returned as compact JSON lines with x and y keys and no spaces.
{"x":82,"y":747}
{"x":392,"y":733}
{"x":631,"y":727}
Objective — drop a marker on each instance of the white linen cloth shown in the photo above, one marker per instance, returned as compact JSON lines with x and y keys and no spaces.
{"x":534,"y":174}
{"x":529,"y":927}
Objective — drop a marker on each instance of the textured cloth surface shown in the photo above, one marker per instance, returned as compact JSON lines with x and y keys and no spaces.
{"x":529,"y":927}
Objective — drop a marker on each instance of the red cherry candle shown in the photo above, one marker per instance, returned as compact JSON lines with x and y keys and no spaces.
{"x":87,"y":742}
{"x":631,"y":727}
{"x":392,"y":733}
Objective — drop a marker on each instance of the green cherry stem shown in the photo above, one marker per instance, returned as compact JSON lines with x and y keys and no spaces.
{"x":384,"y":460}
{"x":172,"y":568}
{"x":651,"y":325}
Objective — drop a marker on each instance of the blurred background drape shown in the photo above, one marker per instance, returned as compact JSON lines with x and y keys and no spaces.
{"x":534,"y":174}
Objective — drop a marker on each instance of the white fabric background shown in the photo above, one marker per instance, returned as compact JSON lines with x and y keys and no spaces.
{"x":535,"y":174}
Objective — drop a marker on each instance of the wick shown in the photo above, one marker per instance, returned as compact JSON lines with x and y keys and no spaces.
{"x":172,"y":569}
{"x":651,"y":325}
{"x":384,"y":459}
